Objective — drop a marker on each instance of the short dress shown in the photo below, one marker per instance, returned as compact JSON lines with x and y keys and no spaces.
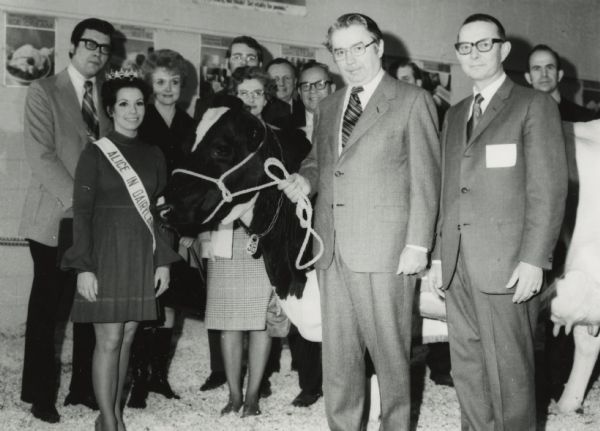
{"x":111,"y":239}
{"x":238,"y":290}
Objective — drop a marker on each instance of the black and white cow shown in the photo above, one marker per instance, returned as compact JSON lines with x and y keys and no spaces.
{"x":230,"y":140}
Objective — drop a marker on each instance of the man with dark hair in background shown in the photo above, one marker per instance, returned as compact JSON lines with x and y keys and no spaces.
{"x":544,"y":73}
{"x":287,"y":110}
{"x":62,"y":113}
{"x":242,"y":51}
{"x":503,"y":192}
{"x":375,"y":166}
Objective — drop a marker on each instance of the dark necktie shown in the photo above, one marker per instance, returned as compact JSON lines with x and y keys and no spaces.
{"x":475,"y":115}
{"x":88,"y":110}
{"x":351,"y":115}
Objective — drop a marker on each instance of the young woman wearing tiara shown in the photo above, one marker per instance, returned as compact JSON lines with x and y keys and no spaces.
{"x":121,"y":257}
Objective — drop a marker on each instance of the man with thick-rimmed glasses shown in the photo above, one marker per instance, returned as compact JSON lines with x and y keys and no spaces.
{"x":314,"y":85}
{"x":62,"y":113}
{"x":503,"y":196}
{"x":375,"y":166}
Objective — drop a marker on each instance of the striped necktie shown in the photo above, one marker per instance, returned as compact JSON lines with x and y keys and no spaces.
{"x":88,"y":110}
{"x":351,"y":115}
{"x":475,"y":115}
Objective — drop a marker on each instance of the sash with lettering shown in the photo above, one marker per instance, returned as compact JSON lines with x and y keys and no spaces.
{"x":132,"y":181}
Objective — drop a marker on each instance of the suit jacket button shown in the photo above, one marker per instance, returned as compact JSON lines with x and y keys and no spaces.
{"x":464,"y":190}
{"x":338,"y":173}
{"x":458,"y":227}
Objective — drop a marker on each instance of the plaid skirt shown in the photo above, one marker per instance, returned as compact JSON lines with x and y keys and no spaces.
{"x":238,"y":290}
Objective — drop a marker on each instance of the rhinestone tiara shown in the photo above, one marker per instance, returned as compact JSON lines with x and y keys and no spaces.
{"x":122,"y":74}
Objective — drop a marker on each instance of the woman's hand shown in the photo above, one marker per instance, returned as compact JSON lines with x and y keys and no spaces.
{"x":206,"y":247}
{"x":162,"y":277}
{"x":87,"y":285}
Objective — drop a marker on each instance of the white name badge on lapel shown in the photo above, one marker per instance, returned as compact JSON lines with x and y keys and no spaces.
{"x":500,"y":155}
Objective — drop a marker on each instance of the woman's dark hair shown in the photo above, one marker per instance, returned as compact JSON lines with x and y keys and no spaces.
{"x":111,"y":87}
{"x":244,"y":73}
{"x":167,"y":59}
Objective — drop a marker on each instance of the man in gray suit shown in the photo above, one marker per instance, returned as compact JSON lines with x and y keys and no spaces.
{"x":503,"y":194}
{"x":62,"y":113}
{"x":375,"y":164}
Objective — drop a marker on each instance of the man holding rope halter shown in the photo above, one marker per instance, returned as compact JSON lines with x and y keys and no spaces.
{"x":377,"y":175}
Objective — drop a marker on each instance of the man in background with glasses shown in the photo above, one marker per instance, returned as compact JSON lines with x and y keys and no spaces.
{"x":503,"y":196}
{"x":375,"y":167}
{"x":242,"y":51}
{"x":314,"y":85}
{"x":62,"y":113}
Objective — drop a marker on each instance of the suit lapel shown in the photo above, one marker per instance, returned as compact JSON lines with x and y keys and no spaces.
{"x":495,"y":106}
{"x":377,"y":106}
{"x":68,"y":101}
{"x":332,"y":115}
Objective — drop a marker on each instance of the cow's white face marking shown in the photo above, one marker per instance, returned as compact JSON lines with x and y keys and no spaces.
{"x":210,"y":117}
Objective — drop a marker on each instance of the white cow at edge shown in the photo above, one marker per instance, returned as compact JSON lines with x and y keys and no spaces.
{"x":577,"y":304}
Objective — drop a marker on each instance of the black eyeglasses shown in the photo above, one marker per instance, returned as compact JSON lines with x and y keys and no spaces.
{"x":317,"y":85}
{"x":357,"y":50}
{"x":92,"y":45}
{"x":483,"y":45}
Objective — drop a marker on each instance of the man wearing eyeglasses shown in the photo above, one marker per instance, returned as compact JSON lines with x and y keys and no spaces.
{"x":503,"y":195}
{"x":314,"y":85}
{"x":375,"y":166}
{"x":62,"y":113}
{"x":242,"y":51}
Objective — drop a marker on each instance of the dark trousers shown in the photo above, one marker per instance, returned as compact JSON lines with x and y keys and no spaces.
{"x":307,"y":357}
{"x":491,"y":346}
{"x":50,"y":302}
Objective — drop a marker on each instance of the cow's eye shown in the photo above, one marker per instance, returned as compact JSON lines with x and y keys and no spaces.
{"x":221,"y":152}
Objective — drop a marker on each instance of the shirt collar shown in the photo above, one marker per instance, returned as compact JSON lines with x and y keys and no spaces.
{"x":368,"y":89}
{"x":77,"y":77}
{"x":78,"y":80}
{"x":489,"y":91}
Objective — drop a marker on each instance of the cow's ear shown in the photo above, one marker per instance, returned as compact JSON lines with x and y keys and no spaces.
{"x":256,"y":134}
{"x":227,"y":101}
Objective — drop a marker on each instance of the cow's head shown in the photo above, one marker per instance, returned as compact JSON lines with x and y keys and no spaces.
{"x":224,"y":138}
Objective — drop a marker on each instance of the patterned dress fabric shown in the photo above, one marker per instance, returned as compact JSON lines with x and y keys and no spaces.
{"x":238,"y":290}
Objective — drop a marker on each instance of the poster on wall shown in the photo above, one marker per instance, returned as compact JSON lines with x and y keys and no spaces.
{"x":298,"y":55}
{"x":131,"y":45}
{"x":291,"y":7}
{"x":435,"y":78}
{"x":213,"y":63}
{"x":30,"y":43}
{"x":591,"y":95}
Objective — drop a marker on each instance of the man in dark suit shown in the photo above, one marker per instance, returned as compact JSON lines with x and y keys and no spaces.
{"x":503,"y":192}
{"x":62,"y":113}
{"x":287,"y":110}
{"x":544,"y":73}
{"x":375,"y":165}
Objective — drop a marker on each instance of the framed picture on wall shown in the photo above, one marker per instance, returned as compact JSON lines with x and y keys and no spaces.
{"x":432,"y":76}
{"x":291,"y":7}
{"x":298,"y":55}
{"x":131,"y":46}
{"x":591,"y":95}
{"x":213,"y":63}
{"x":30,"y":41}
